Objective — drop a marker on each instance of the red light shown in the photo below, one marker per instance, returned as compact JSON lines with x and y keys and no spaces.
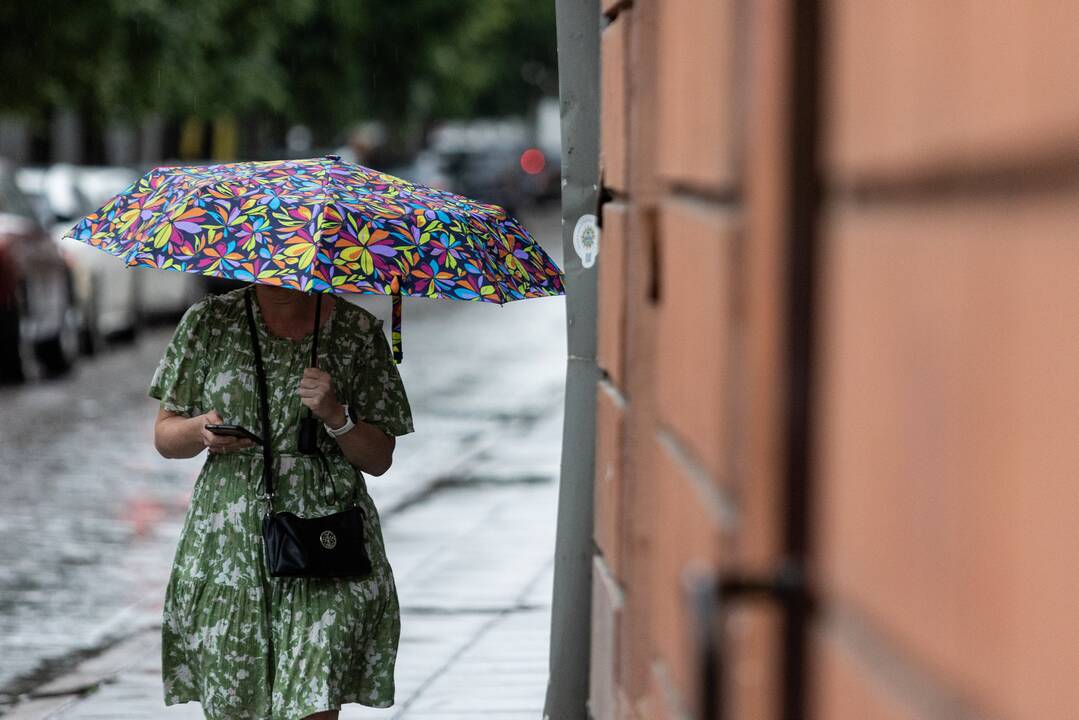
{"x":532,"y":161}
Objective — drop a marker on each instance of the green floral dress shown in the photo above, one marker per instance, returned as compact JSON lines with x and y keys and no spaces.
{"x":244,"y":644}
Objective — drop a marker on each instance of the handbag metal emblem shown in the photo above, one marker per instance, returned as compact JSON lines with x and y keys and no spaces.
{"x":328,"y":539}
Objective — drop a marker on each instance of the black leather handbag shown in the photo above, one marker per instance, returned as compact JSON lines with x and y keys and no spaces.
{"x":327,"y":546}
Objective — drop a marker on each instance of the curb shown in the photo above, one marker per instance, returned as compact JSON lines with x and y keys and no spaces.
{"x":85,"y":678}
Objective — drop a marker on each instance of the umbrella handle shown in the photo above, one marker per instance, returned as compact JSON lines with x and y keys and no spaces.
{"x":307,"y":442}
{"x":395,"y":325}
{"x":314,"y":338}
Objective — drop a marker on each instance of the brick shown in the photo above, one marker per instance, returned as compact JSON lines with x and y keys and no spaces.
{"x":611,"y":294}
{"x":610,"y":435}
{"x":751,"y":650}
{"x":842,"y":689}
{"x":695,"y":287}
{"x":697,"y":42}
{"x":759,"y":364}
{"x":640,"y":524}
{"x":926,"y":87}
{"x":647,"y":704}
{"x":643,"y":88}
{"x":604,"y":668}
{"x":612,"y":7}
{"x":614,"y":108}
{"x":947,"y":424}
{"x":688,"y":539}
{"x":666,"y":701}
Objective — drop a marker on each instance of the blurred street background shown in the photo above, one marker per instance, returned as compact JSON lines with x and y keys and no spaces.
{"x":457,"y":95}
{"x":460,"y":96}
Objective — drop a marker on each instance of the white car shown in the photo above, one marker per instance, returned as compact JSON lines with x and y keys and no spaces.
{"x":106,"y":293}
{"x":112,"y":299}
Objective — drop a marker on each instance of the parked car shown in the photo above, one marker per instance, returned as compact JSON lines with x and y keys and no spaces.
{"x":165,"y":294}
{"x":513,"y":176}
{"x":38,"y":312}
{"x":426,"y":169}
{"x":106,"y":292}
{"x":491,"y":175}
{"x":542,"y":173}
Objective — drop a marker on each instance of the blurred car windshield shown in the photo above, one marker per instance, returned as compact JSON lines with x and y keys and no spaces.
{"x":12,"y":201}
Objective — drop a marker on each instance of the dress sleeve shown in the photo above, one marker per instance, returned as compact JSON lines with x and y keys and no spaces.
{"x":181,"y":372}
{"x":379,"y":395}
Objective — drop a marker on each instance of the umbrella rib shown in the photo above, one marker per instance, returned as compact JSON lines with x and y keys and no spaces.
{"x":493,"y":262}
{"x":324,"y":181}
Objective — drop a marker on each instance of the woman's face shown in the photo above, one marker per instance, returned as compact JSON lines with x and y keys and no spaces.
{"x":281,"y":294}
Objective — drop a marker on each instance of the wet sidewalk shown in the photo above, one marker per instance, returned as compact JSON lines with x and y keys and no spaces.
{"x":473,"y":561}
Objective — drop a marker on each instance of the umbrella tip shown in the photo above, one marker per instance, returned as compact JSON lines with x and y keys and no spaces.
{"x":335,"y":158}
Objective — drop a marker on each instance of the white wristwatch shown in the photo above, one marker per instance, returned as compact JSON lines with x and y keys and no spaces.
{"x":344,"y":428}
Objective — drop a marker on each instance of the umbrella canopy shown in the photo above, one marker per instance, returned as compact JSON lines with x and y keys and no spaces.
{"x":322,"y":225}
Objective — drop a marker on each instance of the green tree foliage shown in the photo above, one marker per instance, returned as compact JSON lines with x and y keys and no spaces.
{"x":325,"y":63}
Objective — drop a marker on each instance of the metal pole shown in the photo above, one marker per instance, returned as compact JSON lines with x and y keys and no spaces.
{"x":578,"y":80}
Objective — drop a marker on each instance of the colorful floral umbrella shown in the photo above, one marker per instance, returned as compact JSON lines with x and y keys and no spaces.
{"x":322,"y":225}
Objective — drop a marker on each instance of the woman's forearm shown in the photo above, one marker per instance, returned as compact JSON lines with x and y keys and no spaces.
{"x":367,"y":447}
{"x":179,"y":436}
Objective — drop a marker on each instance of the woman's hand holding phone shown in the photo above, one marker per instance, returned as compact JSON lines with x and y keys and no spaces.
{"x":221,"y":443}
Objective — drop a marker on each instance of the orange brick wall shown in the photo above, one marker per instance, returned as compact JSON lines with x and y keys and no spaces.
{"x":944,"y":405}
{"x":690,"y":284}
{"x":947,"y":406}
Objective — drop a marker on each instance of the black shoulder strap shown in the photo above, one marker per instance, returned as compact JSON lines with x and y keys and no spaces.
{"x":264,"y":404}
{"x":264,"y":407}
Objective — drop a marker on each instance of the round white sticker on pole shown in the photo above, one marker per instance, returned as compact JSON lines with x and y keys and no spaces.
{"x":586,"y":239}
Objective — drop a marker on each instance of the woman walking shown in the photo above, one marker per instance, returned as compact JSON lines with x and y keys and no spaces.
{"x":246,"y":645}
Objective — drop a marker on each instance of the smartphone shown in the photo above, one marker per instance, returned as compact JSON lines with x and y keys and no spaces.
{"x":233,"y":431}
